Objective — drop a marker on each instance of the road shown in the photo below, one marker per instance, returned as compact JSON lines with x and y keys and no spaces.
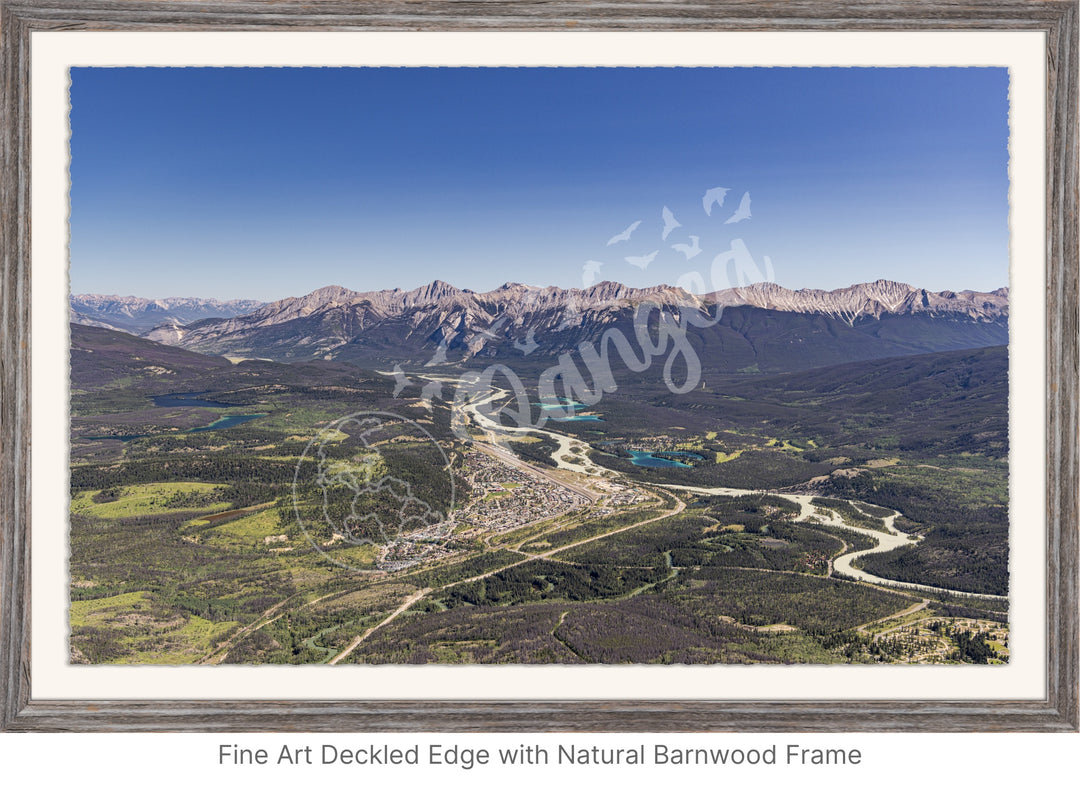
{"x":404,"y":606}
{"x":267,"y":617}
{"x":679,"y":507}
{"x":886,"y":541}
{"x":508,"y":457}
{"x":909,"y":611}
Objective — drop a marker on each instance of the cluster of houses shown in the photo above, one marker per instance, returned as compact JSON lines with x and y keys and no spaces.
{"x":616,"y":495}
{"x":504,"y":497}
{"x":418,"y":546}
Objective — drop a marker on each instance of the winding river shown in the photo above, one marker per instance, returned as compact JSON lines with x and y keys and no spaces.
{"x":889,"y":539}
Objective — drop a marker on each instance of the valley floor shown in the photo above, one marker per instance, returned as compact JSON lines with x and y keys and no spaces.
{"x":569,"y":563}
{"x":229,"y":513}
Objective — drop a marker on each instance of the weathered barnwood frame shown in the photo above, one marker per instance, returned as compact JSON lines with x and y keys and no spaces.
{"x":1056,"y":18}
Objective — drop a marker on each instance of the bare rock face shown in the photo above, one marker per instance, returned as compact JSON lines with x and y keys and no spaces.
{"x":869,"y":300}
{"x":438,"y":308}
{"x":439,"y":323}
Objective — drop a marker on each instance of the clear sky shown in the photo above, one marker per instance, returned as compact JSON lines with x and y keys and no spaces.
{"x":269,"y":182}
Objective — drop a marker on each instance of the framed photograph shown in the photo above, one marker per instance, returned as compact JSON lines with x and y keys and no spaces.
{"x":539,"y":369}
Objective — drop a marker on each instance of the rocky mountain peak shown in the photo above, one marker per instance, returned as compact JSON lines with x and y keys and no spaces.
{"x":333,"y":293}
{"x":872,"y":299}
{"x":440,"y":323}
{"x":431,"y":293}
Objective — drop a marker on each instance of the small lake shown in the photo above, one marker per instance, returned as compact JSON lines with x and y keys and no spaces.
{"x":657,"y":458}
{"x":570,"y":406}
{"x":187,"y":400}
{"x":222,"y":423}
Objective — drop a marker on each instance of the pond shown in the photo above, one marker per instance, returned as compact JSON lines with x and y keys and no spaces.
{"x":222,"y":423}
{"x":656,"y":458}
{"x":571,"y":406}
{"x":187,"y":400}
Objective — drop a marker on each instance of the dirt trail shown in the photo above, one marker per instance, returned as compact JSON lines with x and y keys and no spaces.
{"x":909,"y":611}
{"x":679,"y":507}
{"x":356,"y":641}
{"x":266,"y":618}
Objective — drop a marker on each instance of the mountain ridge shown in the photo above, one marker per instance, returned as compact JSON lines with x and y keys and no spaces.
{"x":869,"y":299}
{"x":135,"y":314}
{"x":761,"y":326}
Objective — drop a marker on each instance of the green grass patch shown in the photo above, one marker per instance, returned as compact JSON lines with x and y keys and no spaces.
{"x":244,"y":531}
{"x":363,"y":556}
{"x":82,"y":612}
{"x":963,"y":485}
{"x":169,"y":497}
{"x":187,"y":645}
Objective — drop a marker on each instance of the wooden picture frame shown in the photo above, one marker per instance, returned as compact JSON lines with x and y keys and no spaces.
{"x":1058,"y":711}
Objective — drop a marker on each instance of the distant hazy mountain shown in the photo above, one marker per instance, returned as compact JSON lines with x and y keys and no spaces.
{"x":136,"y":315}
{"x":763,"y":327}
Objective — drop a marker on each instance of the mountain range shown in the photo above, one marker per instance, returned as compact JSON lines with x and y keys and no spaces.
{"x":135,"y":315}
{"x":762,"y":327}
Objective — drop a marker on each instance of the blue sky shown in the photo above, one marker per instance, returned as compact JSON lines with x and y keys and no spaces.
{"x":269,"y":182}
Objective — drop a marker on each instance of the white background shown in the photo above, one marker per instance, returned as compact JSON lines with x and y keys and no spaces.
{"x":887,"y":759}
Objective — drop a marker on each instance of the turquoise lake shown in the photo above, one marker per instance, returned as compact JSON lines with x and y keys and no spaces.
{"x":190,"y":400}
{"x":656,"y":458}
